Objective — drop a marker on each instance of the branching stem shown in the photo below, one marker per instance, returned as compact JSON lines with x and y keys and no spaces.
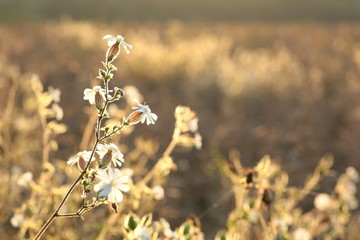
{"x":84,"y":208}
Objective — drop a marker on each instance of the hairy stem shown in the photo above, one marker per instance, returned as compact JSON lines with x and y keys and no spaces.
{"x":56,"y":213}
{"x":67,"y":195}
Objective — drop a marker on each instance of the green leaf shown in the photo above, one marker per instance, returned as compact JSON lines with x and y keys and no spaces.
{"x":252,"y":204}
{"x":186,"y":229}
{"x":132,"y":223}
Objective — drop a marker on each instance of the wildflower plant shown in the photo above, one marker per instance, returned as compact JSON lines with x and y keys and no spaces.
{"x":102,"y":177}
{"x":101,"y":180}
{"x":266,"y":208}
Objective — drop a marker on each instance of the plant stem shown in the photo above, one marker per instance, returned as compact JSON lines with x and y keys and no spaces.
{"x":166,"y":153}
{"x":56,"y":213}
{"x":145,"y":180}
{"x":67,"y":195}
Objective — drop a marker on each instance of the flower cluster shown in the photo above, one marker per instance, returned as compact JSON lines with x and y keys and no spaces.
{"x":186,"y":127}
{"x":267,"y":208}
{"x":145,"y":229}
{"x":103,"y":177}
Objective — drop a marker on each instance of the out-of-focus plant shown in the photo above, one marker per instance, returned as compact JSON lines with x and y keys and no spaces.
{"x":266,"y":208}
{"x":26,"y":134}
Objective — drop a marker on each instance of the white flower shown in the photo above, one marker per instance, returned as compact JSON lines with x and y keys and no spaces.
{"x":141,"y":114}
{"x":142,"y":233}
{"x":170,"y":234}
{"x":25,"y":179}
{"x":59,"y":113}
{"x":118,"y":39}
{"x":158,"y":192}
{"x":352,"y":173}
{"x":193,"y":124}
{"x":89,"y":94}
{"x":110,"y":152}
{"x":17,"y":220}
{"x":322,"y":201}
{"x":55,"y":93}
{"x":301,"y":234}
{"x":198,"y":141}
{"x":81,"y":158}
{"x":112,"y":184}
{"x":281,"y":224}
{"x":167,"y":230}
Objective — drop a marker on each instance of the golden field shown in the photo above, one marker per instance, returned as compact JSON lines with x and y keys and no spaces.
{"x":289,"y":91}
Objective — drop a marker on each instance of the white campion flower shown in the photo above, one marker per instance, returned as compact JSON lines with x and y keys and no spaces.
{"x":167,"y":230}
{"x":158,"y":192}
{"x":59,"y":112}
{"x":90,"y":94}
{"x":81,"y":158}
{"x":198,"y":141}
{"x":281,"y":224}
{"x":120,"y":40}
{"x":322,"y":202}
{"x":17,"y":220}
{"x":301,"y":234}
{"x":353,"y":174}
{"x":141,"y":113}
{"x":110,"y":152}
{"x":193,"y":124}
{"x":55,"y":93}
{"x":111,"y":184}
{"x":142,"y":233}
{"x":25,"y":179}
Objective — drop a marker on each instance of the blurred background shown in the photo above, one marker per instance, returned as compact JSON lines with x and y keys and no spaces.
{"x":277,"y":77}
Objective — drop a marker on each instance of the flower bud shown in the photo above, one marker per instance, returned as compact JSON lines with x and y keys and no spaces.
{"x":119,"y":93}
{"x":99,"y":101}
{"x":106,"y":160}
{"x":102,"y":73}
{"x":82,"y":163}
{"x":113,"y":52}
{"x":134,"y":118}
{"x":322,"y":202}
{"x":268,"y":196}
